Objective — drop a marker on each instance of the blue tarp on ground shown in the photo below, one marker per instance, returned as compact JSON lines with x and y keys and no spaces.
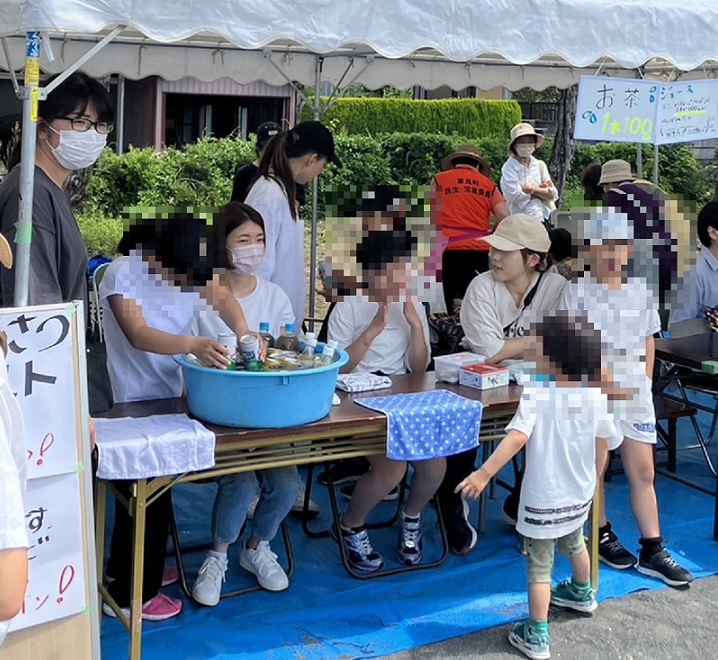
{"x":327,"y":614}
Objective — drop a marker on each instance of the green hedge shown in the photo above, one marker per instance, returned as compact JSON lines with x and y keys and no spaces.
{"x":202,"y":174}
{"x":475,"y":118}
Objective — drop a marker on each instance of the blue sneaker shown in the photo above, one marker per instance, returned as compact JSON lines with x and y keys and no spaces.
{"x":533,"y":645}
{"x":411,"y":545}
{"x":361,"y":555}
{"x":566,"y":595}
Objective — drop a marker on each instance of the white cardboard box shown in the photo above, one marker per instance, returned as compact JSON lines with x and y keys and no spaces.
{"x":447,"y":366}
{"x":483,"y":376}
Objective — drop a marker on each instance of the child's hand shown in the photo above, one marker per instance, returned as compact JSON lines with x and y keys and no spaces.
{"x":378,"y":323}
{"x":210,"y":352}
{"x":473,"y":485}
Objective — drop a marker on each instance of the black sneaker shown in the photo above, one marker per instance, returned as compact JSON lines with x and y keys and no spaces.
{"x":361,"y":555}
{"x":662,"y":566}
{"x":461,"y":535}
{"x":344,"y":471}
{"x":612,"y":553}
{"x":348,"y":490}
{"x":411,"y":545}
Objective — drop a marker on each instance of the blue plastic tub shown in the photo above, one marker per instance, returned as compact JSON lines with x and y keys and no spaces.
{"x":254,"y":400}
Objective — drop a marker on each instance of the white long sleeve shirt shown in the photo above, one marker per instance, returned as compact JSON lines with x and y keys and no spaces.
{"x":283,"y":261}
{"x":514,"y":175}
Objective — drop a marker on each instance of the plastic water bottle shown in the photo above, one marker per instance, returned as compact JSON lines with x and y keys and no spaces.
{"x":327,"y":356}
{"x":266,"y":335}
{"x":288,"y":340}
{"x":310,"y":344}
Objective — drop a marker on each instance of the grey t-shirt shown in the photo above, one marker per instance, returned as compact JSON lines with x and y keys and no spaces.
{"x":58,"y":256}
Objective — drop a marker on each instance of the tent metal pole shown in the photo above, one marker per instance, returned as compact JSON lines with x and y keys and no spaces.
{"x":120,"y":114}
{"x":290,"y":82}
{"x":81,"y":60}
{"x":315,"y":195}
{"x":639,"y":160}
{"x":341,"y":93}
{"x":23,"y":234}
{"x":655,"y":164}
{"x":13,"y":77}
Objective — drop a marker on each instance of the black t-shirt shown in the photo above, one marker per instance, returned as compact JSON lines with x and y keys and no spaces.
{"x":243,"y":179}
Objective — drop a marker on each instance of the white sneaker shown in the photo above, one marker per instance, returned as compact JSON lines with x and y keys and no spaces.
{"x":208,"y":585}
{"x":252,"y":507}
{"x":298,"y":505}
{"x":262,"y":562}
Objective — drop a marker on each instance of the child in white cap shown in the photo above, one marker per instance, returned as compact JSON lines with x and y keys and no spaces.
{"x":625,"y":313}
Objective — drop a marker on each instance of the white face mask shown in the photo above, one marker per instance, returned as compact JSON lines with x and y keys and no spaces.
{"x":246,"y":258}
{"x":525,"y":150}
{"x":77,"y":150}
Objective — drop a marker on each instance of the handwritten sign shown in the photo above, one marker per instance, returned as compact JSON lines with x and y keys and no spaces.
{"x":41,"y":375}
{"x":687,"y":112}
{"x":616,"y":109}
{"x":54,"y":530}
{"x":43,"y":351}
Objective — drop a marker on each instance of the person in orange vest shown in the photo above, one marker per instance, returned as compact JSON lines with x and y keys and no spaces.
{"x":463,"y":197}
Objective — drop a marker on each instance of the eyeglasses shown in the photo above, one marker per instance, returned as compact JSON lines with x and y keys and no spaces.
{"x":83,"y":125}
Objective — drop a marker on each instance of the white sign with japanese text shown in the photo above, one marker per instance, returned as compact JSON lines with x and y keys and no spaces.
{"x":42,"y":376}
{"x":54,"y":529}
{"x":616,"y":109}
{"x":687,"y":112}
{"x":646,"y":111}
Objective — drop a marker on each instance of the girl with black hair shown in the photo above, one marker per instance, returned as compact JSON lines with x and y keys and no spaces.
{"x":241,"y":238}
{"x":73,"y":125}
{"x":150,"y":298}
{"x":292,"y":158}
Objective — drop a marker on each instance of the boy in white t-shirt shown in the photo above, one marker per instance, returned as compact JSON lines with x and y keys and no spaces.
{"x":559,"y":419}
{"x":624,"y":311}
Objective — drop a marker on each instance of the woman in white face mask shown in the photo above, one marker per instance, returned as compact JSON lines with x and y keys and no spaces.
{"x":525,"y":181}
{"x":73,"y":124}
{"x":262,"y":302}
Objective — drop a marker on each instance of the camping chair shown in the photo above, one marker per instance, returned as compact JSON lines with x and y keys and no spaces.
{"x":95,"y":306}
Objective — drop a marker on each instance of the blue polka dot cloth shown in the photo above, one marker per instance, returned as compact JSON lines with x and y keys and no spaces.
{"x":427,"y":425}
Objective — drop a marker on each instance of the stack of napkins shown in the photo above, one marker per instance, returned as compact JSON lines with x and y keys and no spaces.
{"x":362,"y":382}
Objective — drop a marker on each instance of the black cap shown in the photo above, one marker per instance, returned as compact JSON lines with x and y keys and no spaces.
{"x":266,"y":132}
{"x":313,"y":136}
{"x":391,"y":200}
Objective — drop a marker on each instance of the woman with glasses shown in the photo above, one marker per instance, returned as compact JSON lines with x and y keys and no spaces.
{"x":72,"y":129}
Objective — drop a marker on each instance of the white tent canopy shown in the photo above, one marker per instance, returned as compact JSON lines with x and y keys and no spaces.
{"x":374,"y":42}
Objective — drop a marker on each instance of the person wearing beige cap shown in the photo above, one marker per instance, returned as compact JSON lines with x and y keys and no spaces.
{"x":463,"y":199}
{"x":498,"y":309}
{"x":614,"y":173}
{"x":525,"y":180}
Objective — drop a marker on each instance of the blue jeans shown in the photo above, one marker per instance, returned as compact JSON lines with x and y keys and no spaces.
{"x":278,"y":490}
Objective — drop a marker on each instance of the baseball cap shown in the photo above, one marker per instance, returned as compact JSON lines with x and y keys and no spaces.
{"x":519,"y":232}
{"x":267,"y":131}
{"x":313,"y":136}
{"x":606,"y":225}
{"x":384,"y":199}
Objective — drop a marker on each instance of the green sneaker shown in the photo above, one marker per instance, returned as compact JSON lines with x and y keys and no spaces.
{"x":566,"y":595}
{"x":533,"y":645}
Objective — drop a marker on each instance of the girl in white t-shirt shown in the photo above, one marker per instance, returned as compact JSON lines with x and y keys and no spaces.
{"x":241,"y":230}
{"x":150,"y":298}
{"x":292,"y":158}
{"x":382,"y":334}
{"x":13,"y":530}
{"x":559,"y":420}
{"x":497,"y":311}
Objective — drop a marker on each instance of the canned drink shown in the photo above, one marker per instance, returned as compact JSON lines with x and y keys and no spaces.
{"x":249,"y":345}
{"x":229,"y":341}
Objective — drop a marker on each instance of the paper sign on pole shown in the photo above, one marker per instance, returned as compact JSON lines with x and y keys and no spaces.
{"x":687,"y":112}
{"x":616,"y":109}
{"x":646,"y":111}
